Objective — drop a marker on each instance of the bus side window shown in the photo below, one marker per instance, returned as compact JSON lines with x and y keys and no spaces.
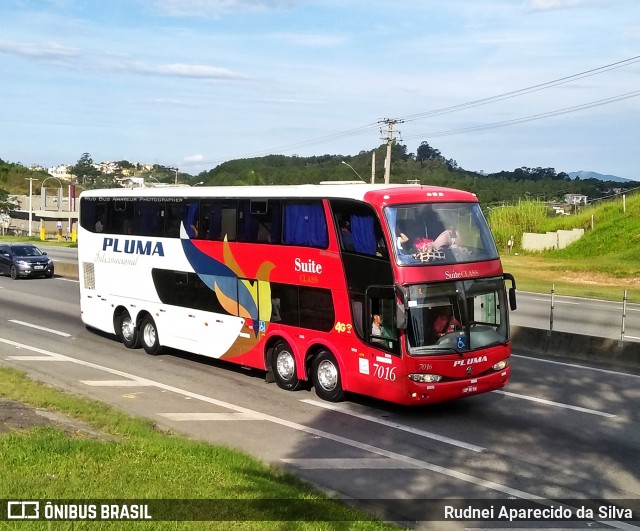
{"x":358,"y":228}
{"x":316,"y":309}
{"x":382,"y":324}
{"x":305,"y":224}
{"x":218,"y":219}
{"x":149,"y":218}
{"x":172,"y":220}
{"x":288,"y":297}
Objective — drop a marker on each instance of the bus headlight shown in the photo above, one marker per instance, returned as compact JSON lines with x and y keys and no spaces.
{"x":501,"y":365}
{"x":425,"y":378}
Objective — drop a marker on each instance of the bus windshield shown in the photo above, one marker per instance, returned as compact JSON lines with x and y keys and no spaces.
{"x":440,"y":233}
{"x":457,"y":316}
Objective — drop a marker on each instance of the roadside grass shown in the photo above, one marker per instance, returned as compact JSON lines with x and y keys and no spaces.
{"x":37,"y":241}
{"x":540,"y":274}
{"x":137,"y":461}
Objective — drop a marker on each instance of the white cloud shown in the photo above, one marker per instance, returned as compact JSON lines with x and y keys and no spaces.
{"x":57,"y":54}
{"x":321,"y":40}
{"x":214,"y":8}
{"x":547,"y":5}
{"x":184,"y":70}
{"x":194,"y":158}
{"x":49,"y":51}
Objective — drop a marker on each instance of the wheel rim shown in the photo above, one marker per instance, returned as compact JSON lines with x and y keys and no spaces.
{"x":14,"y":272}
{"x":149,"y":335}
{"x":285,"y":365}
{"x":127,"y":328}
{"x":327,"y":375}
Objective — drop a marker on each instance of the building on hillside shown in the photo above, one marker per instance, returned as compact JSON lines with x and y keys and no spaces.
{"x":575,"y":199}
{"x":61,"y":171}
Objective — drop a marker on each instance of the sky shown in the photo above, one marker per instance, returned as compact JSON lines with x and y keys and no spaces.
{"x":493,"y":84}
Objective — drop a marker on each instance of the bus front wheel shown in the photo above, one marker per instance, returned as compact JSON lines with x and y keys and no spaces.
{"x":326,"y":377}
{"x":283,"y":366}
{"x":149,"y":336}
{"x":126,"y":330}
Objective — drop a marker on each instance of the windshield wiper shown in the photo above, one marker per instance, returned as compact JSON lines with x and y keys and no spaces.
{"x":435,"y":348}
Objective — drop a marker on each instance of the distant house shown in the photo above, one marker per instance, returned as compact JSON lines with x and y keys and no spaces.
{"x":575,"y":199}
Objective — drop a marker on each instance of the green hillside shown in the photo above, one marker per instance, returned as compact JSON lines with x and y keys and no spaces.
{"x":611,"y":247}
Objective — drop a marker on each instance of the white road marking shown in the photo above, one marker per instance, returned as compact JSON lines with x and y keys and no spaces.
{"x":114,"y":383}
{"x":576,"y":366}
{"x":50,"y":330}
{"x":395,"y":425}
{"x":208,"y":416}
{"x":362,"y":463}
{"x":36,"y":358}
{"x":418,"y":463}
{"x":556,"y":301}
{"x":557,"y":404}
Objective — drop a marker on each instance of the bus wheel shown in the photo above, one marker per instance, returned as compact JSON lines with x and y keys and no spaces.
{"x":149,"y":336}
{"x":326,"y":377}
{"x":283,"y":366}
{"x":126,"y":330}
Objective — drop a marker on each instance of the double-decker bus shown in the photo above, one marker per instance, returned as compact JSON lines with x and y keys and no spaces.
{"x":391,"y":291}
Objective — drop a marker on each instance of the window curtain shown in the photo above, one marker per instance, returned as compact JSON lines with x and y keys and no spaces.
{"x":191,"y":218}
{"x":364,"y":239}
{"x":305,"y":225}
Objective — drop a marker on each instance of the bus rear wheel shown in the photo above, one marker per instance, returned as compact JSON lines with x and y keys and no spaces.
{"x":283,"y":366}
{"x":326,"y":377}
{"x":126,"y":330}
{"x":149,"y":336}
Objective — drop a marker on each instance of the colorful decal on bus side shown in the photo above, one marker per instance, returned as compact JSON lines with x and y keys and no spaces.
{"x":237,"y":298}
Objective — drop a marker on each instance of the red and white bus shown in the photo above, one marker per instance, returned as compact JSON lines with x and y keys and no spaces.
{"x":391,"y":291}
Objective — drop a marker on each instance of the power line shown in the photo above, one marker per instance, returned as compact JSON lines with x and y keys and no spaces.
{"x":523,"y":91}
{"x":530,"y":118}
{"x":454,"y":108}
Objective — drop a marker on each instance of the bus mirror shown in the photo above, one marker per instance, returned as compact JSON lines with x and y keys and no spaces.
{"x":401,"y":317}
{"x":512,"y":299}
{"x":401,"y":307}
{"x":513,"y":305}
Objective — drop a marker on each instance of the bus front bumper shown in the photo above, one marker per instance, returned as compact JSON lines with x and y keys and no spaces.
{"x":431,"y":393}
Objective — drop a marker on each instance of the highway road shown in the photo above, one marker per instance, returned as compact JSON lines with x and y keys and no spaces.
{"x":559,"y":431}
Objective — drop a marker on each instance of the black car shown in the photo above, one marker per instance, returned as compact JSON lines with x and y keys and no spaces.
{"x":24,"y":260}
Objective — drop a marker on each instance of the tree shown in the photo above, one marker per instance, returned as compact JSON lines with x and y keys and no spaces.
{"x":7,"y":204}
{"x":425,"y":152}
{"x":84,"y":170}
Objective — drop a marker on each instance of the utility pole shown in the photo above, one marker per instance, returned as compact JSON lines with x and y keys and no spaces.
{"x":30,"y":179}
{"x":390,"y":122}
{"x":373,"y":167}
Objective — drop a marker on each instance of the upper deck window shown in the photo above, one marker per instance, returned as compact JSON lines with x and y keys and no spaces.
{"x":440,"y":233}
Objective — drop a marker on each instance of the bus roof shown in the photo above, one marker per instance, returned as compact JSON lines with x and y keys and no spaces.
{"x":371,"y":193}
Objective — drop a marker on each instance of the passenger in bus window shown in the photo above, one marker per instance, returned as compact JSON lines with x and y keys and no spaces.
{"x":99,"y":225}
{"x":376,"y":329}
{"x":401,"y":239}
{"x":447,"y":238}
{"x":346,"y":236}
{"x":194,"y":229}
{"x":445,"y":322}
